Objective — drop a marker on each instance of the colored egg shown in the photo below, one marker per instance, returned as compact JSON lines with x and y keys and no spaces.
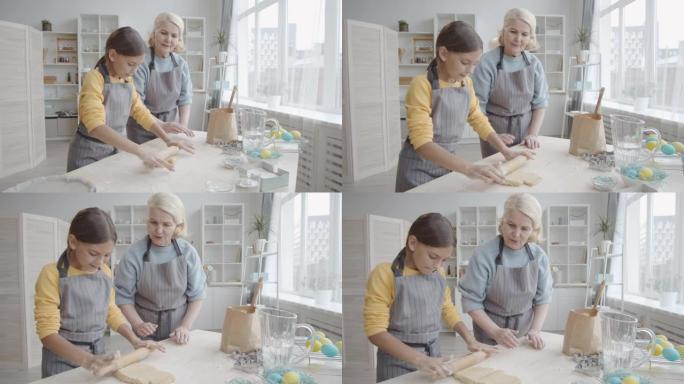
{"x":671,"y":354}
{"x":254,"y":153}
{"x":340,"y":344}
{"x":661,"y":338}
{"x":265,"y":154}
{"x":657,"y":350}
{"x":317,"y":346}
{"x":666,"y":345}
{"x":330,"y":350}
{"x":325,"y":340}
{"x":668,"y":149}
{"x":645,"y":173}
{"x":614,"y":380}
{"x":632,"y":173}
{"x":630,"y":380}
{"x":320,"y":334}
{"x":287,"y":136}
{"x":296,"y":134}
{"x":651,"y":144}
{"x":291,"y":377}
{"x":680,"y":349}
{"x":274,"y":378}
{"x":678,"y":146}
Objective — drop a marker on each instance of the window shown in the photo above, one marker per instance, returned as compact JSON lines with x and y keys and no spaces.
{"x":641,"y":44}
{"x":291,"y":50}
{"x":652,"y":245}
{"x":310,"y":245}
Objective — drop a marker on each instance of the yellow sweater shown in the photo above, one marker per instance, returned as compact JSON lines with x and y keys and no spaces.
{"x":419,"y":110}
{"x":91,"y":109}
{"x":380,"y":296}
{"x":47,"y":301}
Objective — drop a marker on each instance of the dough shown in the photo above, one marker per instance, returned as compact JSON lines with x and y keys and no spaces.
{"x":140,"y":373}
{"x":520,"y":178}
{"x":172,"y":160}
{"x":483,"y":375}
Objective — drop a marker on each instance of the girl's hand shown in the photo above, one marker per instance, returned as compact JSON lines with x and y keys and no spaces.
{"x":95,"y":362}
{"x":173,"y":127}
{"x":149,"y":344}
{"x":507,"y":138}
{"x":476,"y":346}
{"x":433,"y":365}
{"x":153,"y":160}
{"x":144,"y":329}
{"x":488,"y":173}
{"x":506,"y":337}
{"x":535,"y":339}
{"x":181,"y":144}
{"x":510,"y":154}
{"x":531,"y":142}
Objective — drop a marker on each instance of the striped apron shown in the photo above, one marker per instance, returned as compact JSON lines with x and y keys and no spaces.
{"x":162,"y":92}
{"x":509,"y":296}
{"x":415,"y":317}
{"x":83,"y":309}
{"x":509,"y":108}
{"x":85,"y":149}
{"x":449,"y":114}
{"x":160,"y":297}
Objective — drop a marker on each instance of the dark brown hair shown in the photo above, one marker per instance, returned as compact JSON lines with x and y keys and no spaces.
{"x":457,"y":36}
{"x":93,"y":226}
{"x":125,"y":41}
{"x":433,"y":230}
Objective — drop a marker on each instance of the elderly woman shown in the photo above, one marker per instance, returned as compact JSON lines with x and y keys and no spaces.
{"x":511,"y":85}
{"x":163,"y":80}
{"x":507,"y":286}
{"x":160,"y":283}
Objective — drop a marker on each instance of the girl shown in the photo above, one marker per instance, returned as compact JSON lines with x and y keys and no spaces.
{"x":160,"y":283}
{"x":407,"y":300}
{"x":163,"y":81}
{"x":438,"y":105}
{"x":74,"y":300}
{"x":511,"y":85}
{"x":107,"y":99}
{"x":507,"y":286}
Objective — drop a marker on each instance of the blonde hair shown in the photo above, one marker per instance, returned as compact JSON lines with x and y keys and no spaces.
{"x":172,"y":205}
{"x":173,"y":19}
{"x":529,"y":206}
{"x":525,"y":16}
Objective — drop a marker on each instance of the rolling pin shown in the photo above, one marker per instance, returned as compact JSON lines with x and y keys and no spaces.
{"x":511,"y":165}
{"x":123,"y":361}
{"x":466,"y":362}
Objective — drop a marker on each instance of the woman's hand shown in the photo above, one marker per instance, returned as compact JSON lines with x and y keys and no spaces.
{"x":180,"y":335}
{"x":535,"y":339}
{"x":531,"y":141}
{"x":173,"y":127}
{"x":507,"y":138}
{"x":144,"y":329}
{"x":152,"y":159}
{"x":510,"y":154}
{"x":488,"y":173}
{"x":506,"y":337}
{"x":95,"y":362}
{"x":149,"y":344}
{"x":433,"y":365}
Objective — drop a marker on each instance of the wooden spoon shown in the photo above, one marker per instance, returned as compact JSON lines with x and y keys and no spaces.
{"x":598,"y":104}
{"x":599,"y":294}
{"x":257,"y":292}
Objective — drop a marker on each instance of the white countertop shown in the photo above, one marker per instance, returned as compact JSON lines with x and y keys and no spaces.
{"x":548,"y":365}
{"x":561,"y":172}
{"x":125,"y":172}
{"x":200,"y":361}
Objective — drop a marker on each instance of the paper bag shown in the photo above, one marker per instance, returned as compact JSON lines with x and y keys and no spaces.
{"x":222,"y":125}
{"x":588,"y":134}
{"x":582,"y":333}
{"x":241,"y":330}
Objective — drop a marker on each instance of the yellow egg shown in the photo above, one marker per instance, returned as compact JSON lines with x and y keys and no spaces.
{"x":657,"y":350}
{"x":680,"y":349}
{"x":291,"y":377}
{"x":296,"y":134}
{"x":317,"y":346}
{"x":645,"y":173}
{"x":651,"y":145}
{"x":265,"y":154}
{"x":666,"y":344}
{"x":626,"y":380}
{"x":663,"y":337}
{"x":339,"y":345}
{"x":678,"y":146}
{"x":325,"y":340}
{"x":320,"y":334}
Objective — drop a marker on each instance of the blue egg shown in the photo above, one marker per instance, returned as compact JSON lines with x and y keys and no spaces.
{"x":671,"y":354}
{"x":330,"y":350}
{"x":274,"y":378}
{"x":668,"y":149}
{"x":632,"y":173}
{"x":287,"y":136}
{"x":615,"y":380}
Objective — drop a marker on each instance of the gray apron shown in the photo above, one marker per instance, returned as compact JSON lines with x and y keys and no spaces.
{"x":162,"y":92}
{"x":415,"y":317}
{"x":449,"y":114}
{"x":160,"y":296}
{"x":509,"y":108}
{"x":83,"y":309}
{"x":85,"y":149}
{"x":509,"y":296}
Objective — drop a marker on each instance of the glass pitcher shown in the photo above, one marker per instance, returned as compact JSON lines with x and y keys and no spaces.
{"x":627,"y":133}
{"x":252,"y":129}
{"x":278,"y":338}
{"x":618,"y":333}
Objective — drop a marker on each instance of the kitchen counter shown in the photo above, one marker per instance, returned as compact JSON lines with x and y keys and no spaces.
{"x":200,"y":361}
{"x":125,"y":172}
{"x":560,"y":172}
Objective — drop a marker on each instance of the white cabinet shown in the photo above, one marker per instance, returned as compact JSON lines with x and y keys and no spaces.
{"x":93,"y":31}
{"x":567,"y":243}
{"x":222,"y":243}
{"x":22,"y":127}
{"x":194,"y":38}
{"x":60,"y":78}
{"x":131,"y":225}
{"x":551,"y":50}
{"x":32,"y":241}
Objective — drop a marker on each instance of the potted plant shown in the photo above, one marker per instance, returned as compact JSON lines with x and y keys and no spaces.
{"x":210,"y":272}
{"x":668,"y":290}
{"x":583,"y":39}
{"x":604,"y":227}
{"x":46,"y":25}
{"x":641,"y":93}
{"x":557,"y":275}
{"x":222,"y":43}
{"x":261,"y":226}
{"x":403,"y":26}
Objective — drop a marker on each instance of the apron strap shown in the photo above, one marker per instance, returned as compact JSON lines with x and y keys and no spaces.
{"x":63,"y":265}
{"x":105,"y":73}
{"x":433,"y":77}
{"x":152,"y":55}
{"x":527,"y":60}
{"x":498,"y":260}
{"x":146,"y":255}
{"x":499,"y":65}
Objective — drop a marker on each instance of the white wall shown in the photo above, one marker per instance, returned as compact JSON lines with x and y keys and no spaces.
{"x":137,"y":14}
{"x":489,"y":17}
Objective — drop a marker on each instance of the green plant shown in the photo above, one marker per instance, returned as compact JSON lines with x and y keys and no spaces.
{"x":221,"y":38}
{"x":583,"y":38}
{"x":604,"y":227}
{"x":260,"y":226}
{"x":403,"y":22}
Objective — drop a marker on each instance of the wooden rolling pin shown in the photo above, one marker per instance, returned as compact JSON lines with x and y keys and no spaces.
{"x":123,"y":361}
{"x":168,"y":152}
{"x":466,"y":362}
{"x":511,"y":165}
